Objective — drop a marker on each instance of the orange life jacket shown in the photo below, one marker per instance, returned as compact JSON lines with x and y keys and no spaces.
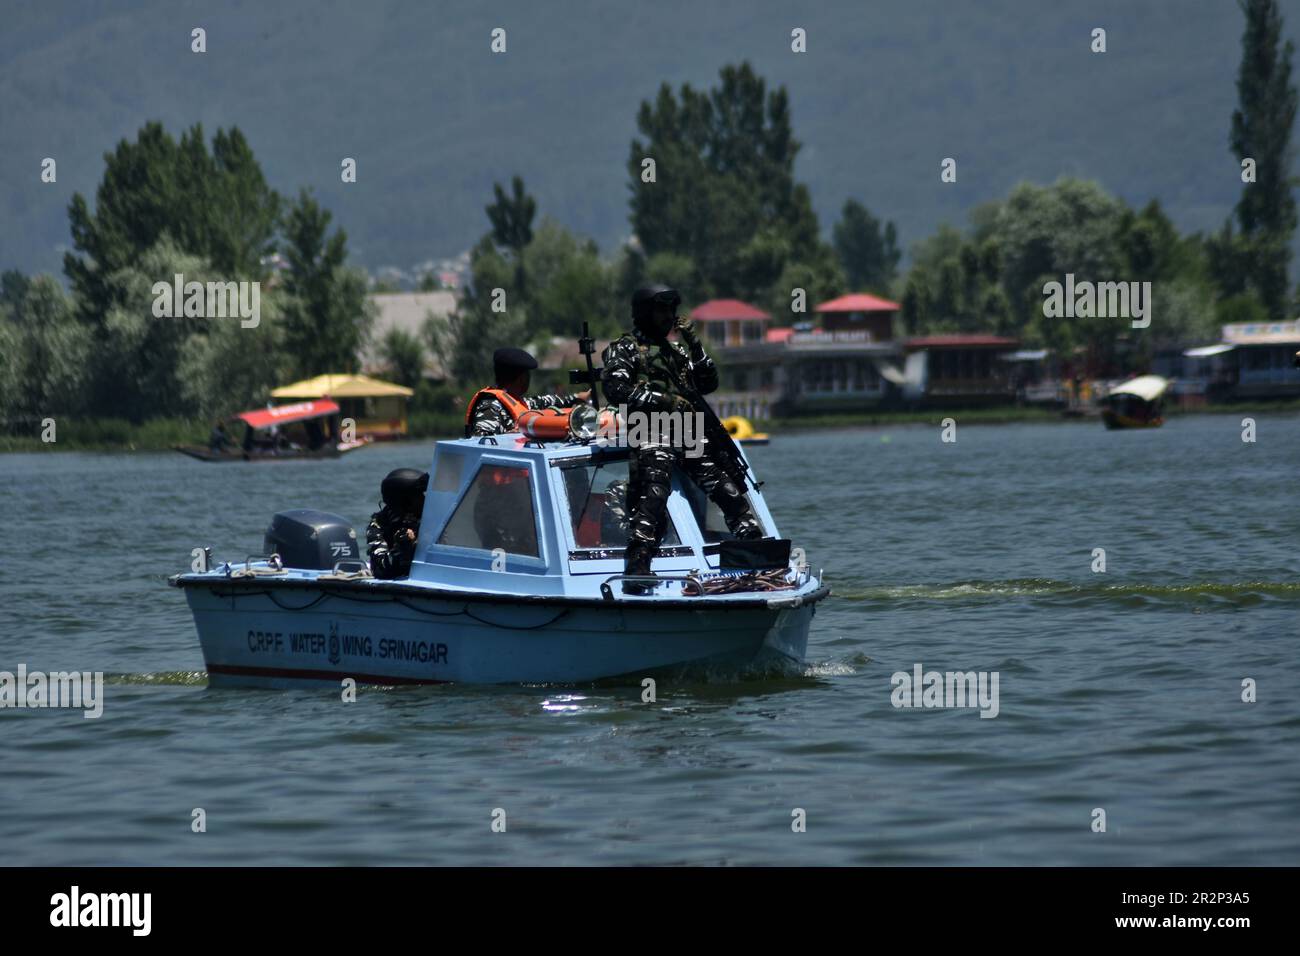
{"x":500,"y":475}
{"x":513,"y":405}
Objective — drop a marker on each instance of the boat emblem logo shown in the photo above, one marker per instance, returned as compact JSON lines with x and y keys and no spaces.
{"x":334,"y":643}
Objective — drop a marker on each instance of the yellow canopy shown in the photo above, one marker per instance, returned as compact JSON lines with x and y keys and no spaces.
{"x":341,"y":386}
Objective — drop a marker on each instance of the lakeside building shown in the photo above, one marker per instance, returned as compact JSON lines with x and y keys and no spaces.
{"x":1254,"y":360}
{"x":847,"y":358}
{"x":407,"y":312}
{"x":961,"y":369}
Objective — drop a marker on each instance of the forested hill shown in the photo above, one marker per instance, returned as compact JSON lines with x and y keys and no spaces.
{"x":886,"y":90}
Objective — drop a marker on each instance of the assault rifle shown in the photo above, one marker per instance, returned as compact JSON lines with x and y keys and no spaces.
{"x":590,"y":378}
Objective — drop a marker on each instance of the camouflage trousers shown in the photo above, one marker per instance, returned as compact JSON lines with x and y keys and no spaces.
{"x":650,"y":473}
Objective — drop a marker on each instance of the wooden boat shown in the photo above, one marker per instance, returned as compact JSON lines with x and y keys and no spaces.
{"x":279,"y":432}
{"x":1137,"y":403}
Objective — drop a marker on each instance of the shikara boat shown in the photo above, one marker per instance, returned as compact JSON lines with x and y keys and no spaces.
{"x":1137,"y":403}
{"x":301,"y":430}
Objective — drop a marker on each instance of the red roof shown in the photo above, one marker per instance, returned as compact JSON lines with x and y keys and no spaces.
{"x":284,"y":414}
{"x":778,"y":335}
{"x":939,"y":341}
{"x":858,"y":302}
{"x":718,"y":310}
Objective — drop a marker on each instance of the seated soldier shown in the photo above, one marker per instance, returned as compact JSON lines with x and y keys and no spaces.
{"x":493,"y":411}
{"x":394,"y":528}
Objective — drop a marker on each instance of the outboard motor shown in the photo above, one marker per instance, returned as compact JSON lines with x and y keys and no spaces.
{"x":304,"y":538}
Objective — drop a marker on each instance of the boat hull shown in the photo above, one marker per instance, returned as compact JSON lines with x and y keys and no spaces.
{"x":1115,"y":420}
{"x":283,"y":638}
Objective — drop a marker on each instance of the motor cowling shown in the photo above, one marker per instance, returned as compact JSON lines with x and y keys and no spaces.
{"x":304,"y":538}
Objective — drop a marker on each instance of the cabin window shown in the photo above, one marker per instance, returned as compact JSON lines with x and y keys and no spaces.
{"x":496,"y":512}
{"x":598,"y":511}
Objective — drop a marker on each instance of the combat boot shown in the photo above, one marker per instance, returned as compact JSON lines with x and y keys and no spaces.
{"x":638,"y":562}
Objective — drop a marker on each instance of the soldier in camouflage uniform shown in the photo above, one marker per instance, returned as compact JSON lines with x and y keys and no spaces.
{"x":645,"y":372}
{"x":394,"y":528}
{"x":493,"y":411}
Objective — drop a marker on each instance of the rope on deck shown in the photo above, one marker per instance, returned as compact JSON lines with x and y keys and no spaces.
{"x":776,"y":579}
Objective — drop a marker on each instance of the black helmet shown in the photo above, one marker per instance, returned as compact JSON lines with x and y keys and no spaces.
{"x":644,"y":301}
{"x":403,"y":488}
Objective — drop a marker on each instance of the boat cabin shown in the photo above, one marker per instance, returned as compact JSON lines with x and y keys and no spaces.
{"x":511,"y":515}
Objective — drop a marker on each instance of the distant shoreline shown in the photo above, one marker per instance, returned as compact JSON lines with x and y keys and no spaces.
{"x":115,"y":436}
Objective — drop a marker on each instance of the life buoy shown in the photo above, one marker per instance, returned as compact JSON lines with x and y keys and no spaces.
{"x":581,"y":422}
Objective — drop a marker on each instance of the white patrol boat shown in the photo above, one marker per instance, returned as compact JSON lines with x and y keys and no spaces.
{"x":517,"y":578}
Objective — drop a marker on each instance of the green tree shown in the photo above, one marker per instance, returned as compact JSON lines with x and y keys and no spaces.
{"x":215,"y":205}
{"x":819,"y":275}
{"x":46,"y":353}
{"x":327,"y":315}
{"x":13,"y":286}
{"x":512,"y":216}
{"x":724,"y":175}
{"x":867,"y":250}
{"x":226,"y":368}
{"x":955,"y":286}
{"x":139,"y":353}
{"x":1068,"y":227}
{"x":673,"y":269}
{"x":567,"y":285}
{"x":1261,"y":131}
{"x":471,"y":334}
{"x":403,"y":355}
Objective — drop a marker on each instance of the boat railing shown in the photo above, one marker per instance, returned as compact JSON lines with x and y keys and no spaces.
{"x":686,"y":580}
{"x":275,"y":565}
{"x":359,"y":569}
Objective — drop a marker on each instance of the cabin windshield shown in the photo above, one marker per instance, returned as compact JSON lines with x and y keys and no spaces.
{"x":597,"y":498}
{"x":713,"y":525}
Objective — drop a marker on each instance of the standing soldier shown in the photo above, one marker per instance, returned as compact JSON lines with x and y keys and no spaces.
{"x":493,"y":411}
{"x":648,"y":374}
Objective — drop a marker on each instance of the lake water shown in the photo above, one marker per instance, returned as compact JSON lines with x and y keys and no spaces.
{"x":1119,"y":690}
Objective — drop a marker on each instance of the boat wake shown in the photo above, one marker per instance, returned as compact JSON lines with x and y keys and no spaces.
{"x":1238,"y":594}
{"x":164,"y":678}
